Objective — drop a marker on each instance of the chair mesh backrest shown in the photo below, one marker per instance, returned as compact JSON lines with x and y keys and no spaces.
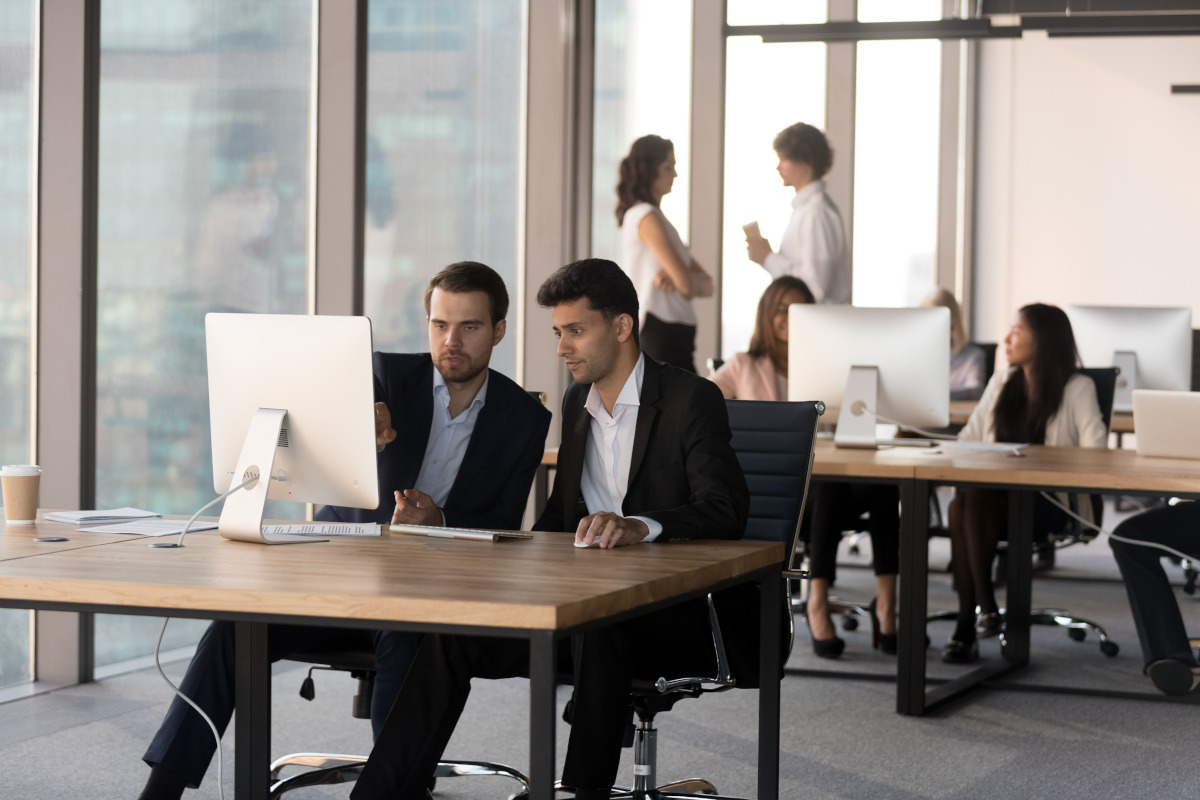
{"x":774,"y":445}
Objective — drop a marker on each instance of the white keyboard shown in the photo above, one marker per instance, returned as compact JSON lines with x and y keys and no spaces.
{"x":459,"y":533}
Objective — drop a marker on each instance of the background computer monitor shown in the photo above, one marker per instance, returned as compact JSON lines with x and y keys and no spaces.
{"x":910,"y":347}
{"x":1152,"y":346}
{"x":294,"y":395}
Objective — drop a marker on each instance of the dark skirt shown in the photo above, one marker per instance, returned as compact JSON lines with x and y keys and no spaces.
{"x":672,"y":343}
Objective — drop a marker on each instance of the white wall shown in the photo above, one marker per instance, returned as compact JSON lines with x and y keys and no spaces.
{"x":1089,"y":175}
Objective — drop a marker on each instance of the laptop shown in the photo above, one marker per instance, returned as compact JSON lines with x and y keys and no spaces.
{"x":1167,"y":424}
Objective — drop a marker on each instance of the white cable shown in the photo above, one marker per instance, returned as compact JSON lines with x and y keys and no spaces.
{"x":190,"y":702}
{"x":913,"y":428}
{"x":187,"y":526}
{"x":1111,"y":535}
{"x":163,"y":629}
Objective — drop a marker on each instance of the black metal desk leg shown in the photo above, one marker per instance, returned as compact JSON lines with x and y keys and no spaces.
{"x":770,"y":613}
{"x":541,"y":716}
{"x":1017,"y":595}
{"x":914,"y":596}
{"x":252,"y":722}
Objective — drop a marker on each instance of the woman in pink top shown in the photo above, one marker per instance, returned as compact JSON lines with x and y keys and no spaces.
{"x":761,"y":372}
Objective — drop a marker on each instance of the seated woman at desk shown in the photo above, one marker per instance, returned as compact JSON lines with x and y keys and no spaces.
{"x":968,"y":372}
{"x":1041,"y":398}
{"x":761,"y":374}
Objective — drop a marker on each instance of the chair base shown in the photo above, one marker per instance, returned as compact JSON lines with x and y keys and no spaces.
{"x":328,"y":769}
{"x":1077,"y":627}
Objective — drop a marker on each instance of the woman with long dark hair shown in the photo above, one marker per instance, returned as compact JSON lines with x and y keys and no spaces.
{"x":760,"y":373}
{"x":659,"y":264}
{"x":1041,"y":398}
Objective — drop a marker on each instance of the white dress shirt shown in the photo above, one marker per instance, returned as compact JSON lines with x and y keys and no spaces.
{"x":605,"y":478}
{"x":448,"y":440}
{"x":813,"y":247}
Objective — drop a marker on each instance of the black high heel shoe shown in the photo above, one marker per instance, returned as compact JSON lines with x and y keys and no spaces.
{"x":828,"y":648}
{"x":885,"y":642}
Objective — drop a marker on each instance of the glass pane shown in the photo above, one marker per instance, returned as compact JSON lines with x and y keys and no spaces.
{"x":756,"y":108}
{"x":896,"y":172}
{"x":444,"y":111}
{"x":898,"y":10}
{"x":776,"y":12}
{"x":204,"y":110}
{"x":16,"y":120}
{"x":635,"y":40}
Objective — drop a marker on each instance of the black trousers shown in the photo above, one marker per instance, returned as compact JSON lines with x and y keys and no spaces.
{"x":184,"y":742}
{"x":670,"y":642}
{"x":672,"y":343}
{"x":1151,"y":598}
{"x":836,"y":507}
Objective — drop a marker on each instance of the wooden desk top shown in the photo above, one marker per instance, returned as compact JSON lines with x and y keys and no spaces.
{"x":1067,"y":467}
{"x":897,"y":463}
{"x":17,"y":541}
{"x":544,"y":583}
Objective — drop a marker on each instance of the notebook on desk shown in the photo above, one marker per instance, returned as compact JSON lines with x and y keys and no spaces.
{"x":1167,"y":424}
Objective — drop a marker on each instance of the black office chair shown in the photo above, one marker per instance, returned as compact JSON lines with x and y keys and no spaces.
{"x":1105,"y":380}
{"x":774,"y":445}
{"x":331,"y":768}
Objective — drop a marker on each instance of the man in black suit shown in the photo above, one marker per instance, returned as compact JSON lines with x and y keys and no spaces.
{"x":645,"y":456}
{"x":1139,"y":545}
{"x":471,"y":441}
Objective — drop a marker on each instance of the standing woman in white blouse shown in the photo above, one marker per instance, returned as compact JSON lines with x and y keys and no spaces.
{"x":1041,"y":398}
{"x":813,"y":247}
{"x":659,"y":264}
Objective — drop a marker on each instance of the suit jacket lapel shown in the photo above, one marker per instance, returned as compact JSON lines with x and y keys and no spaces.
{"x":412,"y":425}
{"x":647,"y":413}
{"x":489,"y":428}
{"x":570,"y":466}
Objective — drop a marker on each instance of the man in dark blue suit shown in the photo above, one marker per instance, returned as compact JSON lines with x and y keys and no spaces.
{"x":645,"y":457}
{"x":468,"y":444}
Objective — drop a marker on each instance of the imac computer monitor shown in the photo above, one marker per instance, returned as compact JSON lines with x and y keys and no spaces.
{"x":1152,"y":347}
{"x":292,"y":397}
{"x":864,"y":362}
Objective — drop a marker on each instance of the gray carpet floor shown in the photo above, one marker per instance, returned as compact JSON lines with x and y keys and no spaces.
{"x":841,"y":736}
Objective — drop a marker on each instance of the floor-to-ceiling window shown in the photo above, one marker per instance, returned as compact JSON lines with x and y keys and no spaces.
{"x":444,"y":122}
{"x":16,"y":176}
{"x":768,"y":87}
{"x":202,"y":206}
{"x":643,"y":85}
{"x":898,"y":97}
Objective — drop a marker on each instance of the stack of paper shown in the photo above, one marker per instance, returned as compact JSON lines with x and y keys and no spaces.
{"x":95,"y":517}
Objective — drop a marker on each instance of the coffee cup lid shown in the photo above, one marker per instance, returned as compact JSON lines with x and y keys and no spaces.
{"x":20,"y":469}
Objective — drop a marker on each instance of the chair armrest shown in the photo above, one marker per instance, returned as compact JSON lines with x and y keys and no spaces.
{"x":722,"y":680}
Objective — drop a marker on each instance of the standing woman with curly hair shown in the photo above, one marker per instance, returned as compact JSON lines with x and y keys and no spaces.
{"x":658,"y":262}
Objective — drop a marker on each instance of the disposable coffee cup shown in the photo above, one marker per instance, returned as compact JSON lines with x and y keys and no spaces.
{"x":20,"y":490}
{"x":751,"y":229}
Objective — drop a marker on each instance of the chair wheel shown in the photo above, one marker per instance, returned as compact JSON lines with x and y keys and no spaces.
{"x":849,"y":623}
{"x":1077,"y":634}
{"x":1110,"y":649}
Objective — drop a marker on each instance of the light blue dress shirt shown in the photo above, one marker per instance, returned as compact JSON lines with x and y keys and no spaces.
{"x":448,"y":441}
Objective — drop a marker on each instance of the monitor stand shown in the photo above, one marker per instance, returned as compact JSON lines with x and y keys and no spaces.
{"x":1126,"y":362}
{"x":241,"y":517}
{"x":856,"y":419}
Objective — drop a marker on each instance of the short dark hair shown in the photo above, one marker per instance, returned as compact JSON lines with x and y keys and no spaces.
{"x":471,"y":276}
{"x":805,"y":144}
{"x":601,"y":282}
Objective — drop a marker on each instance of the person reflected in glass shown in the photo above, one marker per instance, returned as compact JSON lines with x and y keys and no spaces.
{"x":968,"y":362}
{"x":760,"y":373}
{"x":655,"y":258}
{"x":813,"y":246}
{"x":1041,"y":398}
